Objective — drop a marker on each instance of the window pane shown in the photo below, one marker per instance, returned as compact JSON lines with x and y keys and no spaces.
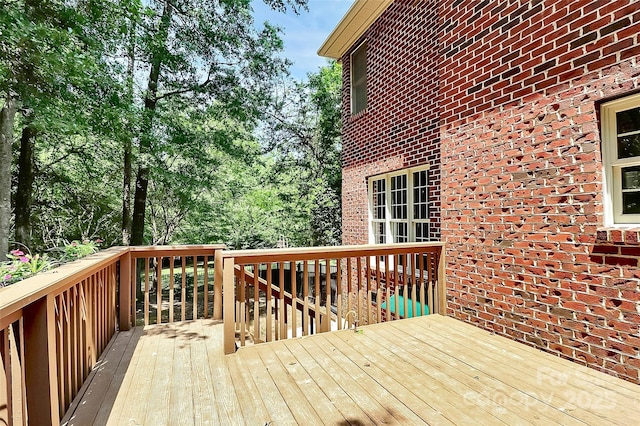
{"x":631,"y":202}
{"x":628,"y":121}
{"x":359,"y":63}
{"x":379,"y":199}
{"x":420,"y":195}
{"x":359,"y":79}
{"x":422,"y":232}
{"x":359,"y":97}
{"x":400,"y":232}
{"x":399,"y":197}
{"x":629,"y":146}
{"x":631,"y":177}
{"x":378,"y":231}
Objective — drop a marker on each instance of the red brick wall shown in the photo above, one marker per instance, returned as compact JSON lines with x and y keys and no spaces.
{"x":399,"y":128}
{"x":516,"y":113}
{"x":520,"y":84}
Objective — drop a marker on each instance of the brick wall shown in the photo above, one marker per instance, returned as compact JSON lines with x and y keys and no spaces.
{"x":399,"y":128}
{"x":509,"y":107}
{"x":522,"y":207}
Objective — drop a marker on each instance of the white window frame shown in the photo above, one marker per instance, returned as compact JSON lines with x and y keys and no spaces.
{"x":612,"y":165}
{"x":362,"y":80}
{"x":411,"y":220}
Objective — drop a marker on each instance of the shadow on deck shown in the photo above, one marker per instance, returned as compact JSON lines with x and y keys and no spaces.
{"x":424,"y":370}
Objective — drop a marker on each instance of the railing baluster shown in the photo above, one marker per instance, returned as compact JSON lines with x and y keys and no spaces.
{"x":305,"y":296}
{"x":397,"y":284}
{"x":68,"y":347}
{"x":269,"y":336}
{"x":378,"y":290}
{"x":75,"y":334}
{"x":146,"y":291}
{"x":159,"y":289}
{"x":242,"y":311}
{"x":59,"y":350}
{"x":172,"y":260}
{"x":6,"y":379}
{"x":349,"y":290}
{"x":327,"y":303}
{"x":339,"y":291}
{"x":294,"y":298}
{"x":229,"y":291}
{"x":387,"y":288}
{"x":421,"y":282}
{"x":405,"y":286}
{"x":359,"y":290}
{"x":317,"y":295}
{"x":183,"y":288}
{"x":256,"y":299}
{"x":282,"y":306}
{"x":368,"y":284}
{"x":412,"y":282}
{"x":206,"y":287}
{"x":195,"y":287}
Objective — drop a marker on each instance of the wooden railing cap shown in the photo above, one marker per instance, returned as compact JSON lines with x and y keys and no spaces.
{"x":327,"y":252}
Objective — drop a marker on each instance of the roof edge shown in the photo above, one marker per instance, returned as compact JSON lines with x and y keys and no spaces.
{"x":360,"y":16}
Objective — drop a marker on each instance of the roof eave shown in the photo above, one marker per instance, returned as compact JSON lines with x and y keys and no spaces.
{"x":357,"y":20}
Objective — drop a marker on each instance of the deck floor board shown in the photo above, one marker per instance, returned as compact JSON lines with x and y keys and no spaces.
{"x":427,"y":370}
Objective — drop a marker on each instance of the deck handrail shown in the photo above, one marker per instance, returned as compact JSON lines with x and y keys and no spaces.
{"x":55,"y":325}
{"x":396,"y":276}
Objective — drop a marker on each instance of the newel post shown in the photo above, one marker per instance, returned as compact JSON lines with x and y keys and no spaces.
{"x":217,"y":285}
{"x":442,"y":282}
{"x":124,"y":291}
{"x":40,"y":367}
{"x":229,"y":291}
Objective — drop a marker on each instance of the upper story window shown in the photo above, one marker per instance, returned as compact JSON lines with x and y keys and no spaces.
{"x":621,"y":155}
{"x":359,"y":79}
{"x":398,"y":207}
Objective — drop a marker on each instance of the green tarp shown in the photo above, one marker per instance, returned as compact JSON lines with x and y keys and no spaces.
{"x":411,"y":304}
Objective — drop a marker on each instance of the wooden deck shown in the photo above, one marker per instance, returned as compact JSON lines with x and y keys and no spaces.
{"x":426,"y":370}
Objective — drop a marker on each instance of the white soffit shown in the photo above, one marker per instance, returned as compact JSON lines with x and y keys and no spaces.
{"x":358,"y":19}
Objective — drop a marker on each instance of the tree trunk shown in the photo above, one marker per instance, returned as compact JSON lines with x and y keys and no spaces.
{"x":126,"y":180}
{"x":150,"y":102}
{"x":24,"y":191}
{"x":7,"y":117}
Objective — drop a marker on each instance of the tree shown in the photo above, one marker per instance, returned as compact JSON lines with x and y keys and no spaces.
{"x":206,"y":53}
{"x":52,"y":69}
{"x":303,"y":131}
{"x":7,"y":116}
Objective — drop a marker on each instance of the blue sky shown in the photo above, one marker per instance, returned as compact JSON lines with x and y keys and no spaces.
{"x":304,"y":33}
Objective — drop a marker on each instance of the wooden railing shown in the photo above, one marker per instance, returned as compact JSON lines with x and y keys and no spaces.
{"x":175,"y":283}
{"x":277,"y":294}
{"x":54,"y":326}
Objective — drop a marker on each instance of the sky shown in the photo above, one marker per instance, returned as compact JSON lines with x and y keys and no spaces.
{"x":304,"y":33}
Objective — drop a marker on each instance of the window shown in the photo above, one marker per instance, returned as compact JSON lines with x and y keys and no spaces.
{"x":359,"y":79}
{"x":398,"y":207}
{"x":621,"y":155}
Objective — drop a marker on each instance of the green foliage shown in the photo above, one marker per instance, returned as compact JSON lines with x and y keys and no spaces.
{"x":22,"y":265}
{"x":78,"y":249}
{"x":232,"y":155}
{"x":304,"y":136}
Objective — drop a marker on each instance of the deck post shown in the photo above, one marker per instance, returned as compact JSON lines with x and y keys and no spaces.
{"x":228,"y":291}
{"x":41,"y":379}
{"x":124,"y":291}
{"x":217,"y":285}
{"x":442,"y":282}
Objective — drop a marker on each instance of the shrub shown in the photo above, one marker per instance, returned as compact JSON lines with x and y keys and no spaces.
{"x":22,"y":265}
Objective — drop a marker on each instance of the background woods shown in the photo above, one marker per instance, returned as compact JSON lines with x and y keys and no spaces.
{"x":162,"y":122}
